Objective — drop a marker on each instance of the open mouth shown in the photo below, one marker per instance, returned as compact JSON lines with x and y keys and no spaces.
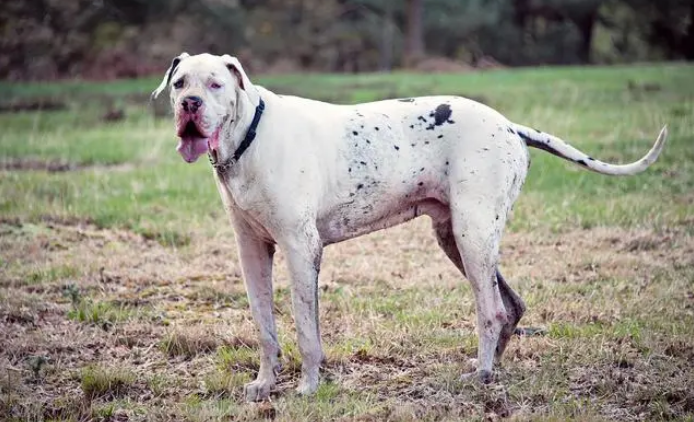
{"x":193,"y":142}
{"x":191,"y":131}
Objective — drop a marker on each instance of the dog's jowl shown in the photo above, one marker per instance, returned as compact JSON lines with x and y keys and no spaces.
{"x":301,"y":174}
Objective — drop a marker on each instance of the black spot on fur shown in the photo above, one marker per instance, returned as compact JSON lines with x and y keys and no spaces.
{"x":411,"y":126}
{"x":591,"y":159}
{"x":447,"y":163}
{"x":368,"y":142}
{"x":422,"y":169}
{"x":363,"y":163}
{"x":406,"y":100}
{"x":360,"y":185}
{"x":510,"y":130}
{"x":377,"y":128}
{"x":422,"y":119}
{"x":536,"y":144}
{"x":420,"y":184}
{"x":397,"y":148}
{"x":440,"y":136}
{"x":355,"y":133}
{"x":442,"y":114}
{"x":583,"y":163}
{"x":497,"y":217}
{"x":349,"y":169}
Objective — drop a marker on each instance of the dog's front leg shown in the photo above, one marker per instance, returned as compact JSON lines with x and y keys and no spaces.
{"x":304,"y":249}
{"x":256,"y":263}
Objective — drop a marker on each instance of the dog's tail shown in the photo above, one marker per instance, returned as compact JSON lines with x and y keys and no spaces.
{"x":555,"y":146}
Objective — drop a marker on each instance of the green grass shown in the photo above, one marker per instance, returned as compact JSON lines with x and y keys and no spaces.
{"x":98,"y":382}
{"x":127,"y":261}
{"x":161,"y":196}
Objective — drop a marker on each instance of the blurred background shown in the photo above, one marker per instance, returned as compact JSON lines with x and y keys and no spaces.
{"x":106,"y":39}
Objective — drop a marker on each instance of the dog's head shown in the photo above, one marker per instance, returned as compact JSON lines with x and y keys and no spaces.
{"x":206,"y":92}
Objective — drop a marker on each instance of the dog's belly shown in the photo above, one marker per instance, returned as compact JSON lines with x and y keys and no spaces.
{"x":348,"y":222}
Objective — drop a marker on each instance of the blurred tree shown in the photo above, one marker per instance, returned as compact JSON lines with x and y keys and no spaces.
{"x":414,"y":37}
{"x":582,"y":14}
{"x":124,"y":38}
{"x":668,"y":24}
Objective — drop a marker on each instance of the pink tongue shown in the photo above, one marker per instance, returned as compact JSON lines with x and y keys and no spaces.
{"x":191,"y":149}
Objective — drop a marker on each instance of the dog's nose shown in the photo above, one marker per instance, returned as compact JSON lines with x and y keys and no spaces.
{"x":191,"y":103}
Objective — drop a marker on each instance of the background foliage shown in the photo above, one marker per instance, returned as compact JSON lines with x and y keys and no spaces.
{"x":124,"y":38}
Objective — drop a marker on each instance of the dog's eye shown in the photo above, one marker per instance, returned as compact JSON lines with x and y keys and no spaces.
{"x":215,"y":85}
{"x":178,"y":84}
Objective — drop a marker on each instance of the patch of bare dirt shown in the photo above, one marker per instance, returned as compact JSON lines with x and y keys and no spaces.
{"x":488,"y":62}
{"x":441,"y":65}
{"x":57,"y":166}
{"x":36,"y":104}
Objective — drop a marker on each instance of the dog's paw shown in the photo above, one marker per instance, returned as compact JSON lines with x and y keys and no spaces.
{"x":258,"y":390}
{"x":308,"y":385}
{"x":485,"y":377}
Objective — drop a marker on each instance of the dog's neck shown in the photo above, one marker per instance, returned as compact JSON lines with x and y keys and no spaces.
{"x":236,"y":127}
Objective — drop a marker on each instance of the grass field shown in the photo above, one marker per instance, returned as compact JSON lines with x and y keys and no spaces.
{"x":121,"y":296}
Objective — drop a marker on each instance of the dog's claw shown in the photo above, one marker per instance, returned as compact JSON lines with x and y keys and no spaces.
{"x":257,"y":390}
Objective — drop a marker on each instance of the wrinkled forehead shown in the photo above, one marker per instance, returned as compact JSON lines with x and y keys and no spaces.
{"x":203,"y":66}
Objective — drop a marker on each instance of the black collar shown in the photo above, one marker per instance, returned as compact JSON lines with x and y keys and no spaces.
{"x":250,"y":135}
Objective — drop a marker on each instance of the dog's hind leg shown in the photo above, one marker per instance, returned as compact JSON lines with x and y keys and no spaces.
{"x":514,"y":305}
{"x":478,"y":244}
{"x":446,"y":240}
{"x":515,"y":308}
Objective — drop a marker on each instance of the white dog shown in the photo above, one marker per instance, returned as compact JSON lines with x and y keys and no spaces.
{"x":303,"y":174}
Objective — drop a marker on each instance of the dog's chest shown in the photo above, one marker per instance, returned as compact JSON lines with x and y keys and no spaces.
{"x":243,"y":199}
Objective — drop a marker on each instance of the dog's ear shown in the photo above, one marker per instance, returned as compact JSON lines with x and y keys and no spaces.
{"x":168,"y":74}
{"x":234,"y":66}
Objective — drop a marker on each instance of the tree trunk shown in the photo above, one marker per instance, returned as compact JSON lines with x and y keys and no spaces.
{"x":386,"y":60}
{"x":414,"y":43}
{"x":586,"y":24}
{"x":689,"y":38}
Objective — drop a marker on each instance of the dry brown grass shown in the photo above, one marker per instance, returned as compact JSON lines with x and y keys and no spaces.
{"x":397,"y":322}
